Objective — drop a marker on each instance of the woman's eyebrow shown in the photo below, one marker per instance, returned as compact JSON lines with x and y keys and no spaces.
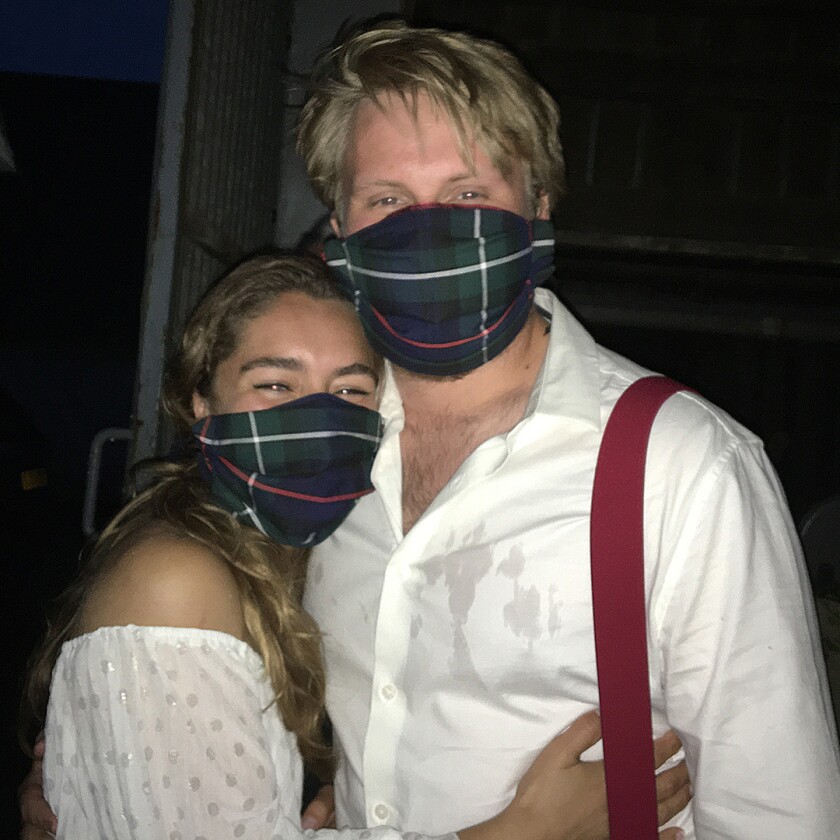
{"x":357,"y":368}
{"x":285,"y":362}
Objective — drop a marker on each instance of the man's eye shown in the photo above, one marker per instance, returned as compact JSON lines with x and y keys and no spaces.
{"x":386,"y":201}
{"x":349,"y":391}
{"x":470,"y":195}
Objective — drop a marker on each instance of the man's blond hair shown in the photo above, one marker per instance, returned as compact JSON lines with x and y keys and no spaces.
{"x":481,"y":87}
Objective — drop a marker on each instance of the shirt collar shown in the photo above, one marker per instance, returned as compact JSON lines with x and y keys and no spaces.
{"x":569,"y":384}
{"x":390,"y":404}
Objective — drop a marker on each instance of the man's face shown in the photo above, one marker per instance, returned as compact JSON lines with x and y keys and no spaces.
{"x":397,"y":158}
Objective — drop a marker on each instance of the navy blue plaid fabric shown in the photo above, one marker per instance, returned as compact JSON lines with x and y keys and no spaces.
{"x":294,"y":471}
{"x":442,"y":289}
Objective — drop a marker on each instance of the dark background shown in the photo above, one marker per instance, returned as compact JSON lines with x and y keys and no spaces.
{"x":78,"y":97}
{"x":72,"y":241}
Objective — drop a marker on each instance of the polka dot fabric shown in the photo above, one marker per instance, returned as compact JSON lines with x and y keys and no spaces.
{"x":171,"y":733}
{"x":152,"y":731}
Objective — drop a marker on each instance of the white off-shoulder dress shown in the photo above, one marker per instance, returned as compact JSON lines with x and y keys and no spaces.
{"x":166,"y":733}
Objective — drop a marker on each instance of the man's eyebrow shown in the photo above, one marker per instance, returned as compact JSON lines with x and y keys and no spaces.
{"x":380,"y":182}
{"x":357,"y":368}
{"x":466,"y":175}
{"x":285,"y":362}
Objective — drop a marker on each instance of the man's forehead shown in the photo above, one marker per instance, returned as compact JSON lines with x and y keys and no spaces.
{"x":416,"y":105}
{"x":422,"y":111}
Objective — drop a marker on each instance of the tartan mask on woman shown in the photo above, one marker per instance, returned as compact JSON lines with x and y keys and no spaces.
{"x":442,"y":289}
{"x":293,"y":471}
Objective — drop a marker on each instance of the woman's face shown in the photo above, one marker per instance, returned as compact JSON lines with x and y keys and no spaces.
{"x":299,"y":346}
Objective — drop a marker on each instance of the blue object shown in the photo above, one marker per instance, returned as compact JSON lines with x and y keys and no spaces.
{"x":121,"y":40}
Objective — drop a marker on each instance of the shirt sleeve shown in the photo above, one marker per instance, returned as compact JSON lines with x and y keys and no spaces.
{"x":744,"y":680}
{"x":170,"y":733}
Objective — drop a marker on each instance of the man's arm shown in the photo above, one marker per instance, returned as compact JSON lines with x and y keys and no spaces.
{"x":742,"y":670}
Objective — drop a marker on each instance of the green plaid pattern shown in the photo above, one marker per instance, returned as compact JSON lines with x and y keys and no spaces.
{"x":441,"y":289}
{"x":293,"y":471}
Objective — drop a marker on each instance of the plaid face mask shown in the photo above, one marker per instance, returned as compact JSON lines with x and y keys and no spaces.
{"x":294,"y":471}
{"x":441,"y":289}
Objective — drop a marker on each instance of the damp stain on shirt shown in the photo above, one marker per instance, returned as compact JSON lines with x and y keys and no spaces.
{"x":462,"y":579}
{"x":554,"y":606}
{"x":521,"y":615}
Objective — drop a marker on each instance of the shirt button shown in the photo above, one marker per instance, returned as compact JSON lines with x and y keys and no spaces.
{"x":381,"y":812}
{"x":389,"y":691}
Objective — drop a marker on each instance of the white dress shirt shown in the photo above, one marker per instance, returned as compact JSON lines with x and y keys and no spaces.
{"x":456,"y":651}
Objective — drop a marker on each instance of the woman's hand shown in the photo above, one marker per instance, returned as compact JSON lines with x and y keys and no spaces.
{"x":561,"y":797}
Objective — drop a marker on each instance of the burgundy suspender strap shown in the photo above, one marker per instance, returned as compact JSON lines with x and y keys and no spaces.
{"x":618,"y":599}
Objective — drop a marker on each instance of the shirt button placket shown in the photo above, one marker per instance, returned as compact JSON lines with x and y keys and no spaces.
{"x":388,"y":709}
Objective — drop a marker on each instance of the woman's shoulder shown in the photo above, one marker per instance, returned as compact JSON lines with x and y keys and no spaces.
{"x":166,"y":579}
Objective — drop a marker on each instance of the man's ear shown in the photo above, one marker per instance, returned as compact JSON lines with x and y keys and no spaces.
{"x":543,"y":209}
{"x":200,"y":406}
{"x":335,"y":225}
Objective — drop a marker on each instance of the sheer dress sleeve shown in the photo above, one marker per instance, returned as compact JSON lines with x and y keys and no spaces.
{"x":157,"y":732}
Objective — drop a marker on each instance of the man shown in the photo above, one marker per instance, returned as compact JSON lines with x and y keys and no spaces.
{"x":456,"y":601}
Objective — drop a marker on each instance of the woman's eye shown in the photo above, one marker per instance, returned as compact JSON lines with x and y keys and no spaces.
{"x":349,"y":391}
{"x":272,"y":386}
{"x":470,"y":195}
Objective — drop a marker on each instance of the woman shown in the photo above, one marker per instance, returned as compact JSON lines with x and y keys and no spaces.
{"x":186,"y":679}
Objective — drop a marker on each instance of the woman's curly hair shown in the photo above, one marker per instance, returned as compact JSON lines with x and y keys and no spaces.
{"x":269,"y":577}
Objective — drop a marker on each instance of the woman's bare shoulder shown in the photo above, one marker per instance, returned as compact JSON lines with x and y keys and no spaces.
{"x":166,"y":580}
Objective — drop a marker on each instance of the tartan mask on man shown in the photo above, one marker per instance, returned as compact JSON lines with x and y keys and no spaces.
{"x":442,"y":289}
{"x":293,"y":471}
